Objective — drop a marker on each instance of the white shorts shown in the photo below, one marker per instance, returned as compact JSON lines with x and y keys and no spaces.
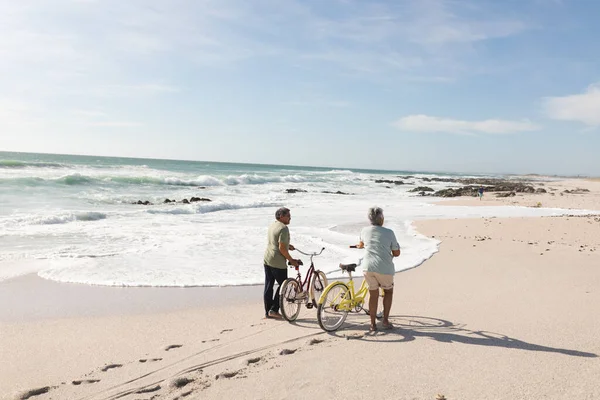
{"x":375,"y":280}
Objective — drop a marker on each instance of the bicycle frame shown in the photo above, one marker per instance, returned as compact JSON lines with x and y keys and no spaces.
{"x":309,"y":274}
{"x":355,"y":299}
{"x":311,"y":271}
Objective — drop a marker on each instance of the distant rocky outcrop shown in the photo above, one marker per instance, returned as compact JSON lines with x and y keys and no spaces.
{"x":455,"y":192}
{"x":507,"y":187}
{"x":506,"y":194}
{"x":338,"y":192}
{"x":576,"y":191}
{"x":168,"y":201}
{"x":422,"y":189}
{"x":389,"y":181}
{"x":295,"y":191}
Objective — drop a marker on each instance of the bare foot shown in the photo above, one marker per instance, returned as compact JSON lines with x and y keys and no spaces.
{"x":274,"y":315}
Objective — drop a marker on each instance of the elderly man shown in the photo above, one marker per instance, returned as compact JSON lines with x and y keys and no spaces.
{"x":276,"y":255}
{"x":381,"y":247}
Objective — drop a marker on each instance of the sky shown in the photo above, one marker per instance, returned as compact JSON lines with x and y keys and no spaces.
{"x":483,"y":86}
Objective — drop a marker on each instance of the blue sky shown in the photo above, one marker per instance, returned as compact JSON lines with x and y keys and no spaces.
{"x":444,"y":85}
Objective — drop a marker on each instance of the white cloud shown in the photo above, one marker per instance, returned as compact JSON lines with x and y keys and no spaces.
{"x":584,"y":108}
{"x":424,"y":123}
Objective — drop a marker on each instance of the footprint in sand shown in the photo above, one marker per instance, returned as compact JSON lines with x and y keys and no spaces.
{"x":211,"y":340}
{"x":173,"y":346}
{"x":285,"y":352}
{"x":254,"y":360}
{"x":180,"y":382}
{"x":85,"y":381}
{"x":223,"y":375}
{"x":111,"y":366}
{"x":143,"y":360}
{"x":315,"y":341}
{"x":148,"y":390}
{"x":357,"y":335}
{"x":226,"y":330}
{"x":34,"y":392}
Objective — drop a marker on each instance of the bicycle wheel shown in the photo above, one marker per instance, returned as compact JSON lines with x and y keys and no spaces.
{"x":329,"y":315}
{"x":318,"y":283}
{"x":379,"y":314}
{"x":289,"y":304}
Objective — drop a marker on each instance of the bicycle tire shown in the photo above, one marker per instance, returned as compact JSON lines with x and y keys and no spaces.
{"x":379,"y":314}
{"x":318,"y":283}
{"x":329,"y":318}
{"x":288,"y":303}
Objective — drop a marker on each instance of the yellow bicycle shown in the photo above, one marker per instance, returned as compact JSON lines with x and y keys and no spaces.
{"x":339,"y":298}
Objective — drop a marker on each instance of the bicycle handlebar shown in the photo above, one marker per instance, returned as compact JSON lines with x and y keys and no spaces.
{"x":310,"y":254}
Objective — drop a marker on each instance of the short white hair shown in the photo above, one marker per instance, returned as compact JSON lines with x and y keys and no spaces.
{"x":376,"y":216}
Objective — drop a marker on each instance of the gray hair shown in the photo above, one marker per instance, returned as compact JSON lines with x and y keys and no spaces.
{"x":282,"y":212}
{"x":376,"y":216}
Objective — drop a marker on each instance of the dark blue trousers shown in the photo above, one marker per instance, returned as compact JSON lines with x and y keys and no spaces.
{"x":271,"y":275}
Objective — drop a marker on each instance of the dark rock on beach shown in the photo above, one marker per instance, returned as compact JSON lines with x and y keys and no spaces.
{"x":506,"y":194}
{"x":421,"y":189}
{"x":295,"y":191}
{"x":489,"y":185}
{"x":576,"y":191}
{"x":389,"y":181}
{"x":455,"y":192}
{"x":338,"y":192}
{"x":168,"y":201}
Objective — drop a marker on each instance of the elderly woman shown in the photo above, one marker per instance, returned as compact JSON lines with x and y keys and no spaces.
{"x":378,"y":266}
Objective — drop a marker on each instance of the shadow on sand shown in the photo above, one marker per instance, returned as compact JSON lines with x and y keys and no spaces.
{"x":408,"y":328}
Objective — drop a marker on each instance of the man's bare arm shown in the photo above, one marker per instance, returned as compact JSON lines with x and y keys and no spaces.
{"x":284,"y":250}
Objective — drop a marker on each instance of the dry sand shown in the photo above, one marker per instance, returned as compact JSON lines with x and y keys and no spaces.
{"x":508,"y":309}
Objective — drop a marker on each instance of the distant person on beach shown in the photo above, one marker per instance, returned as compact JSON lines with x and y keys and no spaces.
{"x":378,"y":266}
{"x":480,"y":192}
{"x":276,"y":255}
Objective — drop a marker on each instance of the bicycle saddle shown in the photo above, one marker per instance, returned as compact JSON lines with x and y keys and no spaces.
{"x":348,"y":267}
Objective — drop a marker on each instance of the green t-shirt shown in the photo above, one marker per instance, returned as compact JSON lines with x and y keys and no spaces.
{"x":278,"y":233}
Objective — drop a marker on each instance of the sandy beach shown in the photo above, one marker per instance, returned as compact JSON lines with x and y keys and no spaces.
{"x":507,"y":309}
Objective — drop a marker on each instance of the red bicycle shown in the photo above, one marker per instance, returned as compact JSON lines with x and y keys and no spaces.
{"x":294,"y":292}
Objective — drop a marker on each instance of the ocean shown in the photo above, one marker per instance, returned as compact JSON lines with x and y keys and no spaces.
{"x":72,"y":219}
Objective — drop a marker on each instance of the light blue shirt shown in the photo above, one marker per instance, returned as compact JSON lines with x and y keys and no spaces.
{"x":379,"y":243}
